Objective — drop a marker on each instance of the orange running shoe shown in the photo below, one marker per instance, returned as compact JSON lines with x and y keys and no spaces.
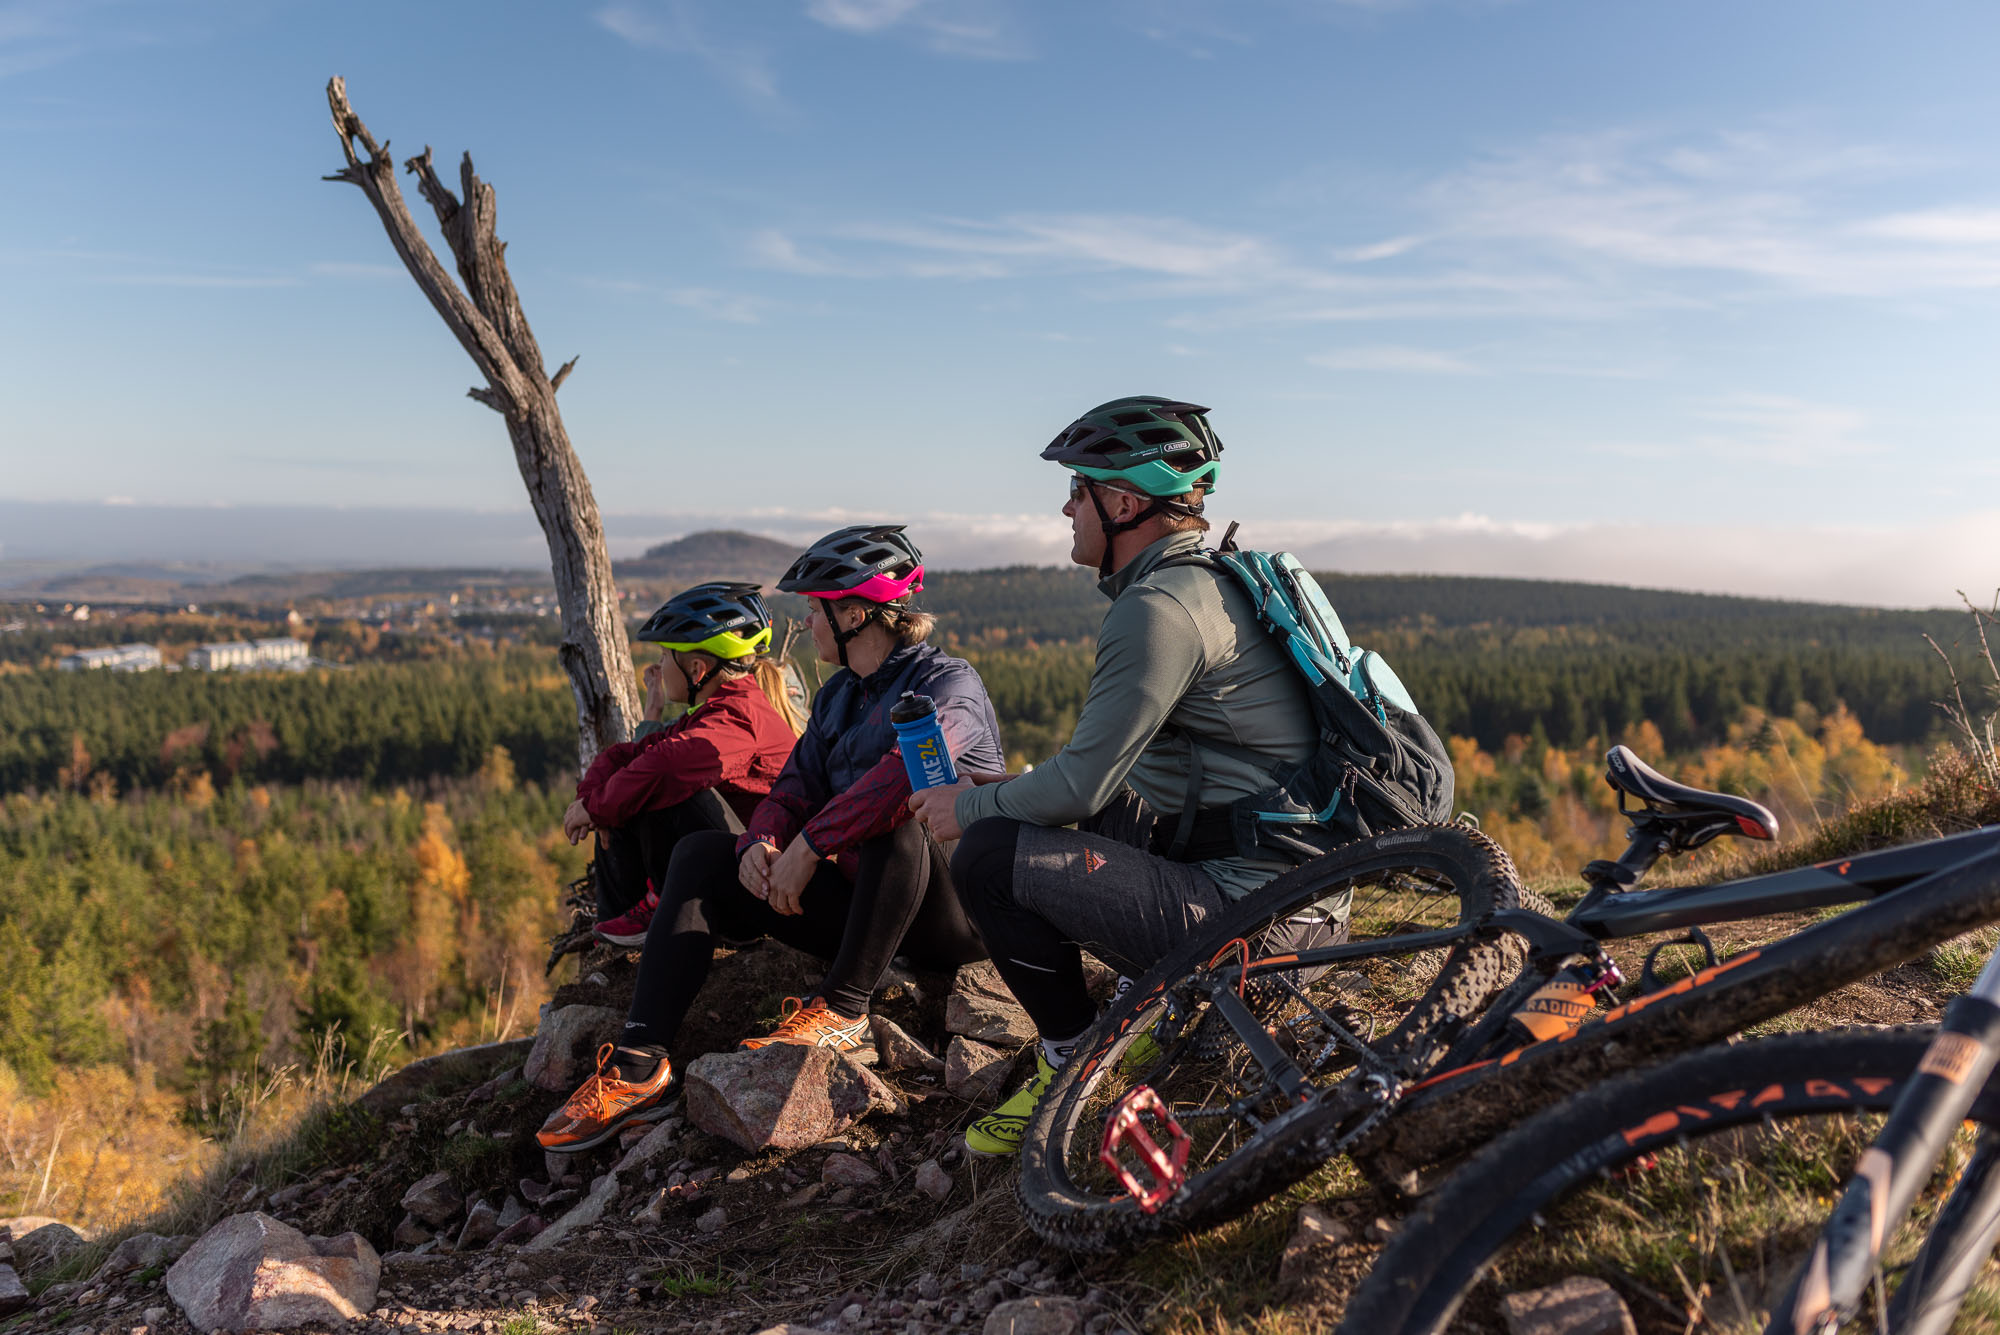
{"x":812,"y":1024}
{"x":604,"y":1105}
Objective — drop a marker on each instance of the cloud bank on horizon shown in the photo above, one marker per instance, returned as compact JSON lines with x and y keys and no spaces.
{"x":1888,"y":566}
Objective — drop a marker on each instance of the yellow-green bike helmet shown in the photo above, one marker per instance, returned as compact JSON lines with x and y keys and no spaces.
{"x":726,"y":620}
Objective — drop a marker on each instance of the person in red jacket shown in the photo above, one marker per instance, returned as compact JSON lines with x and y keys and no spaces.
{"x":707,"y":769}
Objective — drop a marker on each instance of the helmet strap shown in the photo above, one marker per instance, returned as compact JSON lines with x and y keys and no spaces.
{"x":841,"y":637}
{"x":1155,"y":505}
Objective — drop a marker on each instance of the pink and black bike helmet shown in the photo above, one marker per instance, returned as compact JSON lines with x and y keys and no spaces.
{"x":876,"y":563}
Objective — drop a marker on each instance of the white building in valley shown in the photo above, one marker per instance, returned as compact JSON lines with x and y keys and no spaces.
{"x":284,"y":651}
{"x":119,"y":658}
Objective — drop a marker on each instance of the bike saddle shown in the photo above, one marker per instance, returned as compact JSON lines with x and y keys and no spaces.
{"x":1693,"y":816}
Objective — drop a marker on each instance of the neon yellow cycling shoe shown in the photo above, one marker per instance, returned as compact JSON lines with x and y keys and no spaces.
{"x":1001,"y":1131}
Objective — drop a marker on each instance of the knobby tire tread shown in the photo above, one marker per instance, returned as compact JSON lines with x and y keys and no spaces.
{"x":1438,"y":1252}
{"x":1475,"y":970}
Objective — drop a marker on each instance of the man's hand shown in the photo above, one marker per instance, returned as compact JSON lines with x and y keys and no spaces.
{"x":936,"y":807}
{"x":789,"y":874}
{"x":656,"y":694}
{"x":576,"y":822}
{"x":753,"y":869}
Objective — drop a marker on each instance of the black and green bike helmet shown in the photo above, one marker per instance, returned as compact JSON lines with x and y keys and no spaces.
{"x":1156,"y":446}
{"x":1160,"y":448}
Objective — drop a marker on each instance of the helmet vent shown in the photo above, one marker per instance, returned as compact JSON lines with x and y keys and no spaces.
{"x":1158,"y":435}
{"x":1132,"y":419}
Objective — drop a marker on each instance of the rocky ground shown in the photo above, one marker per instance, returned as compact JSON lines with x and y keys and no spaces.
{"x":795,"y":1189}
{"x":789,"y":1190}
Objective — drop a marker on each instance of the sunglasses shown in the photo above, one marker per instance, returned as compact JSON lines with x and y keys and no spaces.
{"x":1079,"y":486}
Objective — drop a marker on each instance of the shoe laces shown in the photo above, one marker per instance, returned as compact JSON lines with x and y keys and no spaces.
{"x":593,"y":1096}
{"x":800,"y":1016}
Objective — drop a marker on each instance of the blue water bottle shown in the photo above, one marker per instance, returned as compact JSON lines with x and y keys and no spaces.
{"x":921,"y":739}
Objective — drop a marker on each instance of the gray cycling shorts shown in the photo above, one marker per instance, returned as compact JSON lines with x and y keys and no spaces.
{"x":1125,"y":906}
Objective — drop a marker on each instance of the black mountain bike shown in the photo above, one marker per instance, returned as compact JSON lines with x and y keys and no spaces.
{"x":1695,"y":1192}
{"x":1239,"y":1065}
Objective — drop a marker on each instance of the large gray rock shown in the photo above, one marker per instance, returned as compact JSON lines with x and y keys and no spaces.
{"x":895,"y":1050}
{"x":1579,"y":1305}
{"x":849,"y":1170}
{"x":446,"y":1070}
{"x":974,"y":1071}
{"x":1035,"y":1316}
{"x":585,"y":1213}
{"x":521,"y":1230}
{"x":981,"y":1008}
{"x":784,"y":1096}
{"x":45,"y":1246}
{"x":933,"y":1179}
{"x":657,"y":1141}
{"x":13,"y":1293}
{"x":138,"y":1252}
{"x":566,"y":1043}
{"x":16,"y":1227}
{"x":482,"y":1225}
{"x":433,"y":1199}
{"x":251,"y":1272}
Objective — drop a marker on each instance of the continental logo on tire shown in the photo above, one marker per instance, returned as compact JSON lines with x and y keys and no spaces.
{"x":1670,"y":1121}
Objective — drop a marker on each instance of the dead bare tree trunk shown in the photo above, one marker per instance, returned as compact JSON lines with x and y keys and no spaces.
{"x":486,"y":317}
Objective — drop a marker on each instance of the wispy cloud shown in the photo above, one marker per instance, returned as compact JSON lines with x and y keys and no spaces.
{"x":980,"y":29}
{"x":198,"y":280}
{"x":1764,"y":206}
{"x":1392,"y":358}
{"x":1945,"y":227}
{"x":1577,"y":228}
{"x":348,"y":269}
{"x":673,"y":26}
{"x":1017,"y":245}
{"x":1761,"y":429}
{"x":730,"y":307}
{"x":1773,"y":428}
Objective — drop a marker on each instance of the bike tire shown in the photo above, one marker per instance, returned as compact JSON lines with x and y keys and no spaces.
{"x":1451,"y":874}
{"x":1514,"y":1215}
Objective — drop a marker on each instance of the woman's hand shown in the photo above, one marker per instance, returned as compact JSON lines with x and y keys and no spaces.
{"x":789,"y":875}
{"x":937,"y":807}
{"x":753,"y":869}
{"x":576,"y":822}
{"x":656,"y":693}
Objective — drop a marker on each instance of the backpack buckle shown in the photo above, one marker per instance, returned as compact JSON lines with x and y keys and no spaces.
{"x":1167,"y":1167}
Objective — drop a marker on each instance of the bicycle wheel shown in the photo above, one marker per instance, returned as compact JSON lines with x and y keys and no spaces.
{"x":1694,"y":1189}
{"x":1348,"y":1033}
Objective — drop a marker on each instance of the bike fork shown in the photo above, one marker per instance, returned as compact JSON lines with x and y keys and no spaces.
{"x":1963,"y":1237}
{"x":1848,"y":1255}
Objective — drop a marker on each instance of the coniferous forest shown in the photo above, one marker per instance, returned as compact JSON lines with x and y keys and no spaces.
{"x":207,"y":877}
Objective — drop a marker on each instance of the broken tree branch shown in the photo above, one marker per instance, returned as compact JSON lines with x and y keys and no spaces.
{"x":486,"y":318}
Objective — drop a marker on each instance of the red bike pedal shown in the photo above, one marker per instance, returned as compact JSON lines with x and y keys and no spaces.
{"x":1168,"y":1167}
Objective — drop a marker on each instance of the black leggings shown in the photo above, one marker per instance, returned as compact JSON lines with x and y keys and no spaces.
{"x":633,"y":858}
{"x":901,"y":902}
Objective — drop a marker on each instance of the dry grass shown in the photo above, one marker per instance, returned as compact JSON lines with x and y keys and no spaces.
{"x":286,"y":1125}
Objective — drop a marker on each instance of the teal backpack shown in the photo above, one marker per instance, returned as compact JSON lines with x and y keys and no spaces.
{"x":1378,"y":764}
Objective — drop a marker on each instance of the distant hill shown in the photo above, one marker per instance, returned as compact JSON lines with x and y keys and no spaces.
{"x":720,"y":554}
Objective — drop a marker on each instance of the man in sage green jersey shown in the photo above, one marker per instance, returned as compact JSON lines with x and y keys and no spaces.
{"x":1181,"y":658}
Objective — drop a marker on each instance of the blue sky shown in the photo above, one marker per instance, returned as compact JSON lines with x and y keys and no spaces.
{"x":1700,"y":294}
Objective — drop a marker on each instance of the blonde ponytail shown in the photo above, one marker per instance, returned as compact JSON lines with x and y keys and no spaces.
{"x":771,"y":681}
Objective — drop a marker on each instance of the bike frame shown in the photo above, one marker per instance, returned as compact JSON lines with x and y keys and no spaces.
{"x":1910,"y":898}
{"x":1929,"y":893}
{"x":1848,"y":1255}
